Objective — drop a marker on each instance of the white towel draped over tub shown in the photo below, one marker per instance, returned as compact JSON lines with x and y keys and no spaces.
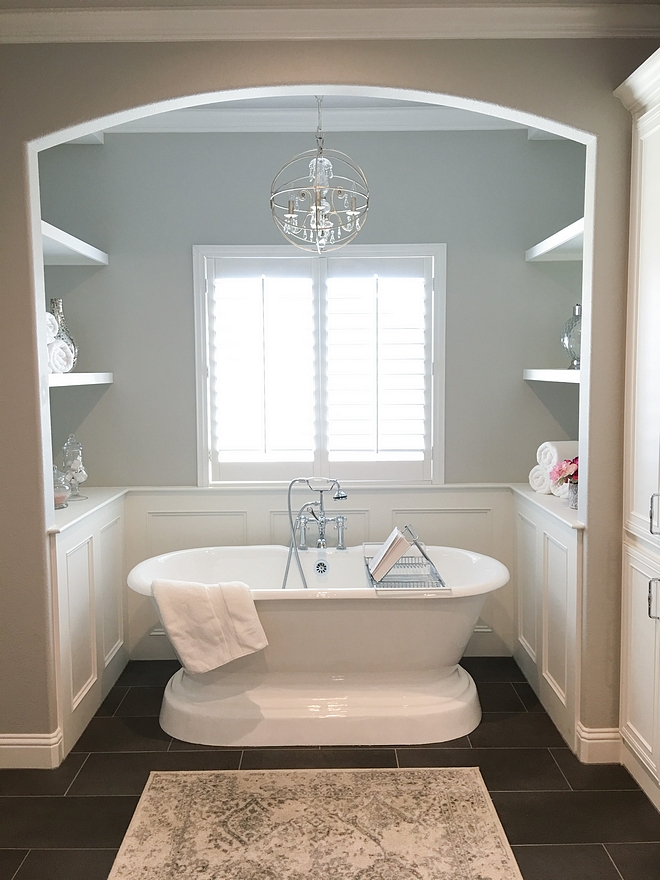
{"x":209,"y":625}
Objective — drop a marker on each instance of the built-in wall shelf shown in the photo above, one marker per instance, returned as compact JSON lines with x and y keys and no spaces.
{"x":567,"y":244}
{"x":569,"y":376}
{"x":65,"y":380}
{"x":62,"y":249}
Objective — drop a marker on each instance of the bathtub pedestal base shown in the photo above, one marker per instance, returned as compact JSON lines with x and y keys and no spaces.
{"x":302,"y":709}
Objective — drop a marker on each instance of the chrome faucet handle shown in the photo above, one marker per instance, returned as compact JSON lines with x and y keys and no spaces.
{"x":301,"y":525}
{"x":340,"y":525}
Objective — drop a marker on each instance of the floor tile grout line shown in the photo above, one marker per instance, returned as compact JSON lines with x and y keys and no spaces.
{"x":560,"y":770}
{"x":515,"y":690}
{"x":15,"y":874}
{"x":61,"y":849}
{"x":77,"y":774}
{"x":609,"y":855}
{"x":120,"y":702}
{"x":591,"y":843}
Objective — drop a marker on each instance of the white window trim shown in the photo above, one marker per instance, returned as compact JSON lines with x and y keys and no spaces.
{"x":202,"y":253}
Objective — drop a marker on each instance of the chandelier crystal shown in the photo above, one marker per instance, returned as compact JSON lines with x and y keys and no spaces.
{"x":319,"y":200}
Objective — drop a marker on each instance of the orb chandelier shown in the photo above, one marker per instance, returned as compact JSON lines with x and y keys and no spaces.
{"x":319,"y":200}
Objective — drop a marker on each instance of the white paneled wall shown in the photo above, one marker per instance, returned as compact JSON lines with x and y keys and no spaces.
{"x":476,"y":518}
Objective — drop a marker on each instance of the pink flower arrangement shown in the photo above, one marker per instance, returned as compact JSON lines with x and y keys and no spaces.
{"x":565,"y":471}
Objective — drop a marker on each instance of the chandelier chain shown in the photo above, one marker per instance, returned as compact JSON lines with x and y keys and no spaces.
{"x":319,"y":125}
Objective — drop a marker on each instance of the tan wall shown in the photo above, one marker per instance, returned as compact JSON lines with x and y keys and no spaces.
{"x":51,"y":87}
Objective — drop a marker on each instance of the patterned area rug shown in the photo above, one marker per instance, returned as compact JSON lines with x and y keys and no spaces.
{"x":429,"y":824}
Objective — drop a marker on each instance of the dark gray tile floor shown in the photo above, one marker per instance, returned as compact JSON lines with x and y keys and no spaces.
{"x":563,"y":819}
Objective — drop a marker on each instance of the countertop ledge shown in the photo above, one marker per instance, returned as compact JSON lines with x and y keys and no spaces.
{"x":556,"y":507}
{"x":78,"y":510}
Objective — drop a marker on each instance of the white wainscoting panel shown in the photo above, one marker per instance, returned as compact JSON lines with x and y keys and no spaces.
{"x":81,"y":619}
{"x":111,"y":609}
{"x":555,"y":600}
{"x":169,"y":530}
{"x":470,"y":529}
{"x":527,"y":585}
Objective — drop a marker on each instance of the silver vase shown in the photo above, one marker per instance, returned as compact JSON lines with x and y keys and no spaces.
{"x":63,"y":332}
{"x":573,"y":496}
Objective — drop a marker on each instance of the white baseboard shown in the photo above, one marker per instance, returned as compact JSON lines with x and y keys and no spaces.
{"x":598,"y":745}
{"x":34,"y":751}
{"x":646,"y":781}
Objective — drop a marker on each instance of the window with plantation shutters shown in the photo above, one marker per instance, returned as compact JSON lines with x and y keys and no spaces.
{"x":319,"y":365}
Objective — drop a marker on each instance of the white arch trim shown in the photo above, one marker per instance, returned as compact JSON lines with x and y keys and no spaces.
{"x":507,"y":113}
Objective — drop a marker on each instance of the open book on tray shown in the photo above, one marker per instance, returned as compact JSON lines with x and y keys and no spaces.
{"x":389,"y":554}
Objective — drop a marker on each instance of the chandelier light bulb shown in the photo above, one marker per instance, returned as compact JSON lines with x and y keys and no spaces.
{"x":319,"y":200}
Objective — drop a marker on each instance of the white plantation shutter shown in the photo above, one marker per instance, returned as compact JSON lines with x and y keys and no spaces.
{"x":262,"y":336}
{"x":376,"y":369}
{"x":310,"y":366}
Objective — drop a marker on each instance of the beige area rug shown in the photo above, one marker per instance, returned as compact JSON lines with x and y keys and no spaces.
{"x":428,"y":824}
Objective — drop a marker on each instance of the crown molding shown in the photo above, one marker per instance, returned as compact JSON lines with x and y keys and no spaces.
{"x":641,"y":90}
{"x":376,"y":23}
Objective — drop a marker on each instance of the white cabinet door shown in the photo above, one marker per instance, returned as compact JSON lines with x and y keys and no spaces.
{"x":642,"y":398}
{"x":548,"y":570}
{"x":89,"y":590}
{"x":640,"y":656}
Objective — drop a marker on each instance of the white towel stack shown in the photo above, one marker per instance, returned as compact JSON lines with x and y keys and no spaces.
{"x":547,"y":456}
{"x":52,"y":327}
{"x":209,"y":625}
{"x":60,"y":357}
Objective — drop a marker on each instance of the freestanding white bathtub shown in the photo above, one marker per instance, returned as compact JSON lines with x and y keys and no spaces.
{"x":346,"y":664}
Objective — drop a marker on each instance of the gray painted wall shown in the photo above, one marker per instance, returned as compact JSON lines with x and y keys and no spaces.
{"x":147,"y":199}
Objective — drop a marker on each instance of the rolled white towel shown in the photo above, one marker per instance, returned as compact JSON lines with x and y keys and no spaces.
{"x":560,"y":491}
{"x":60,"y":357}
{"x":52,"y":327}
{"x":539,"y":480}
{"x":549,"y":453}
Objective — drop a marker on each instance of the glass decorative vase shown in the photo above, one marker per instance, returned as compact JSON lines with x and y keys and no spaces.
{"x":572,"y":495}
{"x":61,"y":489}
{"x":74,"y":472}
{"x":571,"y":337}
{"x":63,"y":332}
